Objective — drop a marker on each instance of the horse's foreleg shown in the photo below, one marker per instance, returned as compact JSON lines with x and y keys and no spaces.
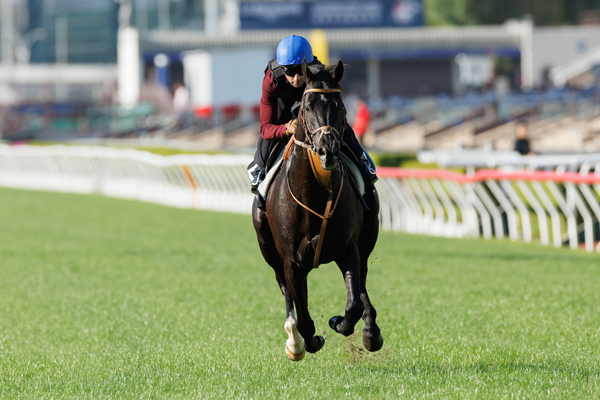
{"x":354,"y":305}
{"x":372,"y":339}
{"x":294,"y":346}
{"x":297,"y":285}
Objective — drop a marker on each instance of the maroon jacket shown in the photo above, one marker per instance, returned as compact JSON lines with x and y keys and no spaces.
{"x":269,"y":107}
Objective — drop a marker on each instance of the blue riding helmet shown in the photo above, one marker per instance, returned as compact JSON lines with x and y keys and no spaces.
{"x":293,"y":49}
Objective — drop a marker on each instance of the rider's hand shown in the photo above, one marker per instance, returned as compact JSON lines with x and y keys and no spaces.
{"x":290,"y":127}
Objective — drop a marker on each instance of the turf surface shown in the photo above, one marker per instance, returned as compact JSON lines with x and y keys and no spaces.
{"x":105,"y":298}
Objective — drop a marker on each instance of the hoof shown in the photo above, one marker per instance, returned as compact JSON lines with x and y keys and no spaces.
{"x":317,"y":344}
{"x":373,"y":344}
{"x":335,"y":324}
{"x":335,"y":321}
{"x":294,"y":346}
{"x":294,"y":357}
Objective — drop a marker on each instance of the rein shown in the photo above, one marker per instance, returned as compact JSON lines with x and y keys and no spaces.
{"x":323,"y":180}
{"x":328,"y":211}
{"x":326,"y":215}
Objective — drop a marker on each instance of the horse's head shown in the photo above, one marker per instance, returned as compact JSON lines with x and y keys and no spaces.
{"x":322,"y":114}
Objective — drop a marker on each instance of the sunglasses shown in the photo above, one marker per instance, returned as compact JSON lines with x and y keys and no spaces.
{"x":292,"y":70}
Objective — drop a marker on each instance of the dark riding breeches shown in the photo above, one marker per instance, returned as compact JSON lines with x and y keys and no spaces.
{"x":263,"y":150}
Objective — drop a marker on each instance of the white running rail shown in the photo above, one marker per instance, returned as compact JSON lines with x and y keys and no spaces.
{"x":211,"y":182}
{"x":549,"y":207}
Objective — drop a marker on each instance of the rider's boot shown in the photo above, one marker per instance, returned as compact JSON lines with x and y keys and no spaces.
{"x":369,"y":167}
{"x":257,"y":176}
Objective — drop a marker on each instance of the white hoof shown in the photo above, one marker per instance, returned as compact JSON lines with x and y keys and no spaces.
{"x":294,"y":346}
{"x":292,"y":356}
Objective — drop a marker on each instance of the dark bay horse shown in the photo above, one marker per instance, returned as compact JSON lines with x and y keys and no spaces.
{"x":313,"y":189}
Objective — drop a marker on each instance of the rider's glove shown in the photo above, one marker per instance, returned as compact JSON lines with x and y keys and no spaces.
{"x":290,"y":127}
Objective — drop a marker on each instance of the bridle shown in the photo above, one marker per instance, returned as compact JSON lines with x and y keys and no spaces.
{"x":311,"y":147}
{"x":326,"y":130}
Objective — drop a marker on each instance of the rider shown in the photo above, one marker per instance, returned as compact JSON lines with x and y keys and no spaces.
{"x":283,"y":86}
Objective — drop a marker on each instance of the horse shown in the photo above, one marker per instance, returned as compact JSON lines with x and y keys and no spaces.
{"x":294,"y":237}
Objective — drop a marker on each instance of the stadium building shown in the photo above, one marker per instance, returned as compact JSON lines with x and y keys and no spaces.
{"x":69,"y":51}
{"x":385,"y":42}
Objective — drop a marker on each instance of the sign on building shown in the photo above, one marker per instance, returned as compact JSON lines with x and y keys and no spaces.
{"x":331,"y":14}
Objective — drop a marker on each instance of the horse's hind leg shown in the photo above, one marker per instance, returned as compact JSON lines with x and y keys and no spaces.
{"x":297,"y":284}
{"x":354,"y":306}
{"x":372,"y":338}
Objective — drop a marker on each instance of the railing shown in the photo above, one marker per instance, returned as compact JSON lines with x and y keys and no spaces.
{"x":217,"y":182}
{"x":547,"y":206}
{"x":477,"y":158}
{"x":554,"y":207}
{"x":578,"y":65}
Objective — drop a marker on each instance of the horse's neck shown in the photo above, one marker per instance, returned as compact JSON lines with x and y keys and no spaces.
{"x":299,"y":166}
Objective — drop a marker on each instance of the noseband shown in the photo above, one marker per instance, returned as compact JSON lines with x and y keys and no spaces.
{"x":326,"y":130}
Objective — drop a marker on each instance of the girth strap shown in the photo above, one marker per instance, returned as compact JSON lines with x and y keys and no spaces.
{"x":324,"y":228}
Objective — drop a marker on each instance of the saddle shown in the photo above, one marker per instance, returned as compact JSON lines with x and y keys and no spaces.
{"x":282,"y":152}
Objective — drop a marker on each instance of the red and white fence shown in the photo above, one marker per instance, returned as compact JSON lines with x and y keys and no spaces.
{"x":549,"y":206}
{"x":552,"y":207}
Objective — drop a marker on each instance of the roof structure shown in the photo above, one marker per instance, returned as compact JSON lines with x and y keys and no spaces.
{"x":480,"y":37}
{"x":512,"y":39}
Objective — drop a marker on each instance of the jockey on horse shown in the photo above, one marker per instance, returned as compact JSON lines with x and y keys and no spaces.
{"x":283,"y":87}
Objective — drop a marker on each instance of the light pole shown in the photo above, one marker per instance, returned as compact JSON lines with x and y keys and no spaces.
{"x":124,"y":13}
{"x":7,"y":31}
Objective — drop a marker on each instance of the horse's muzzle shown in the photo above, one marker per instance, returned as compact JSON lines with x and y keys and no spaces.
{"x":329,"y":161}
{"x":328,"y":148}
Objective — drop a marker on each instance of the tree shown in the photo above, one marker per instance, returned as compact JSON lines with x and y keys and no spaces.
{"x":495,"y":12}
{"x":446,"y":12}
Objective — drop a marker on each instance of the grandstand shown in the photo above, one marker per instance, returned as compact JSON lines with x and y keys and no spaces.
{"x":428,"y":87}
{"x":561,"y":120}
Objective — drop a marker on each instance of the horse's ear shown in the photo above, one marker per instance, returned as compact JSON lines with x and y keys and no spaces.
{"x":306,"y":71}
{"x":338,"y":72}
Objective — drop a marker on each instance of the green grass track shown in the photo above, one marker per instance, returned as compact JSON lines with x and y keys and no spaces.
{"x":106,"y":298}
